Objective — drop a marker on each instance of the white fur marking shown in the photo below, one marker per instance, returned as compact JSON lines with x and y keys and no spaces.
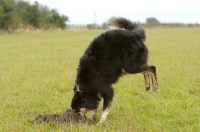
{"x":104,"y":116}
{"x":124,"y":71}
{"x":94,"y":113}
{"x":83,"y":111}
{"x":77,"y":87}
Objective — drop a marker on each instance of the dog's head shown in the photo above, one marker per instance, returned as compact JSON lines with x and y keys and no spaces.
{"x":79,"y":99}
{"x":84,"y":100}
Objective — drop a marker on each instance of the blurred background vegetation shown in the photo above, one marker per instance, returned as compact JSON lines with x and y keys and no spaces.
{"x":22,"y":16}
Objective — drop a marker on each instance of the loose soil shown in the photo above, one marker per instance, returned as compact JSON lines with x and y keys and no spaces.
{"x":68,"y":116}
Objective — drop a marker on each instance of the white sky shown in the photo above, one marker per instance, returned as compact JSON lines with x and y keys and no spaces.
{"x":82,"y":11}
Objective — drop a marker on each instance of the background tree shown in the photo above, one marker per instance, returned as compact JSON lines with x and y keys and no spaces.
{"x":17,"y":14}
{"x":7,"y":14}
{"x":20,"y":7}
{"x":57,"y":20}
{"x":31,"y":15}
{"x":152,"y":21}
{"x":46,"y":14}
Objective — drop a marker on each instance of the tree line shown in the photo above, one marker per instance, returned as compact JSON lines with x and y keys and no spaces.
{"x":150,"y":22}
{"x":21,"y":14}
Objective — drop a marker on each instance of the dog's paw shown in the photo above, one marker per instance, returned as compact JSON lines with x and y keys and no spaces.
{"x":147,"y":88}
{"x":155,"y":88}
{"x":91,"y":119}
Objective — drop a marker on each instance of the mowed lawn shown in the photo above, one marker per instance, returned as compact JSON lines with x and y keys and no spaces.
{"x":38,"y":70}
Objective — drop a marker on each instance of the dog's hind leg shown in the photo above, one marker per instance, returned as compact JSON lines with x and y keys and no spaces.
{"x":151,"y":70}
{"x":147,"y":71}
{"x":147,"y":80}
{"x":108,"y":97}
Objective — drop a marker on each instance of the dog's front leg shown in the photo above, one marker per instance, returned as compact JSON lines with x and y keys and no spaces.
{"x":83,"y":111}
{"x":107,"y":103}
{"x":94,"y":113}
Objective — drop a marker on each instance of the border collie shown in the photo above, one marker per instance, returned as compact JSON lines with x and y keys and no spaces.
{"x":108,"y":57}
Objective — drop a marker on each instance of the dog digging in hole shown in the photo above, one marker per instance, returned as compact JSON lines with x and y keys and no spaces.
{"x":108,"y":57}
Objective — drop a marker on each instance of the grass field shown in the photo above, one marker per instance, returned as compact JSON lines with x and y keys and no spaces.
{"x":38,"y":70}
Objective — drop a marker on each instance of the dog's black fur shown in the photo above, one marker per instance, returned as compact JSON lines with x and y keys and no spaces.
{"x":108,"y":57}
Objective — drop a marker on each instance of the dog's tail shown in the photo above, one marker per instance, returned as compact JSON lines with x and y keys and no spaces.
{"x":121,"y":22}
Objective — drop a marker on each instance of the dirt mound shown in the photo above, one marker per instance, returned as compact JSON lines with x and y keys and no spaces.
{"x":68,"y":116}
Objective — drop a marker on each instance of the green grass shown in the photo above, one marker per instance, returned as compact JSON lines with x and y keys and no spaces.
{"x":38,"y":70}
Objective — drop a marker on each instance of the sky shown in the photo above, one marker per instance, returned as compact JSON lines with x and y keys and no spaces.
{"x":84,"y":12}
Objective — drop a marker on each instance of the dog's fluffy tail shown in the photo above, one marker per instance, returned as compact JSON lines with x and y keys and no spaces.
{"x":121,"y":22}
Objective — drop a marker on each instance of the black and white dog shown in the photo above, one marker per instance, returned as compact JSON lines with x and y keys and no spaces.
{"x":109,"y":56}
